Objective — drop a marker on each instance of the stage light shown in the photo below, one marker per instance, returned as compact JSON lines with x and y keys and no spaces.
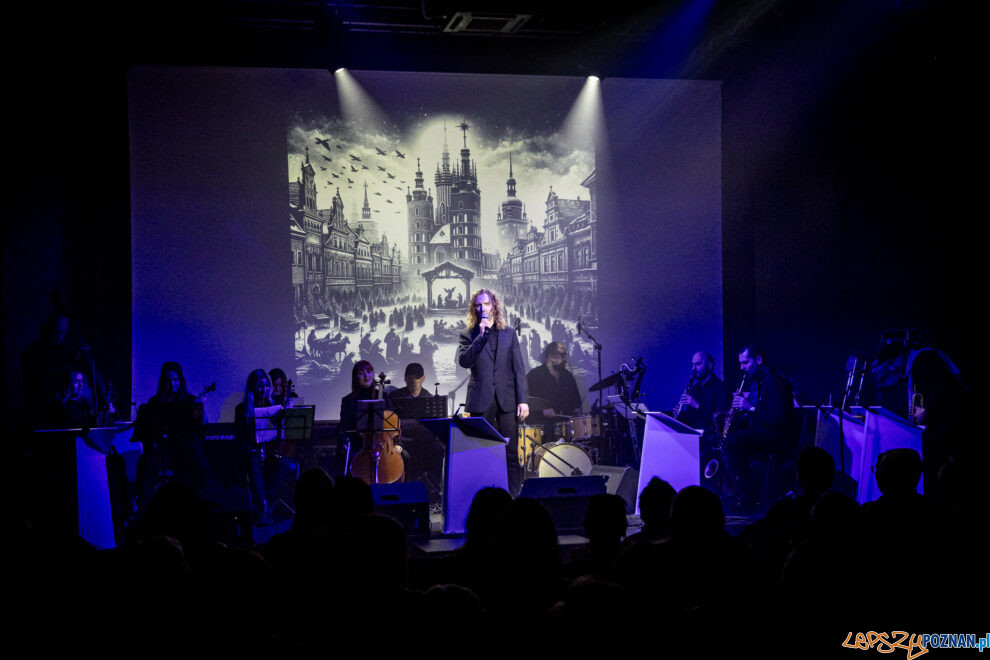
{"x":356,"y":106}
{"x":583,"y":126}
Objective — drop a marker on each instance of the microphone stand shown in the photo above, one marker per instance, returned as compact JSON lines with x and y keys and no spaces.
{"x":583,"y":329}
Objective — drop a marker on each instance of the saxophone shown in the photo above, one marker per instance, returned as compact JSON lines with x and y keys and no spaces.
{"x":712,"y":466}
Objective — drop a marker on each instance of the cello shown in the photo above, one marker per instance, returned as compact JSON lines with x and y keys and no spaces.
{"x":379,"y":460}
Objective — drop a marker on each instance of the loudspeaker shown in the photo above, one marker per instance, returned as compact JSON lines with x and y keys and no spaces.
{"x":621,"y":481}
{"x":566,"y":498}
{"x":230,"y":515}
{"x":408,"y":503}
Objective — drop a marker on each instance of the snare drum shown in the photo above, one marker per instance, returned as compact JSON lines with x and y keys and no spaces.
{"x":562,"y":459}
{"x":528,"y":439}
{"x":587,"y":426}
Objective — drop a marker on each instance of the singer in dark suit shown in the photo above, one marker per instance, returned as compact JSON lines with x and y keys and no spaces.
{"x":497,"y":390}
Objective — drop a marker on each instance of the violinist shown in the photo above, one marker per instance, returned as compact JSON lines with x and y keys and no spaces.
{"x":73,"y":409}
{"x":282,"y":391}
{"x":257,"y":419}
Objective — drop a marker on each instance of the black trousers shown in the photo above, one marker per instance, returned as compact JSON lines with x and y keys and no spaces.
{"x":748,"y":444}
{"x":504,"y":421}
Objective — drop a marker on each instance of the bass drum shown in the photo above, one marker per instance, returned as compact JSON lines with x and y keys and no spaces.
{"x":562,"y":459}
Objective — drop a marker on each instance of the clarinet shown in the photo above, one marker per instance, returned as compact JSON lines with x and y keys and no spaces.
{"x":677,"y":408}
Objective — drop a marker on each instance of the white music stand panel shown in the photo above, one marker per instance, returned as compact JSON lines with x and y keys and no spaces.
{"x":671,"y":451}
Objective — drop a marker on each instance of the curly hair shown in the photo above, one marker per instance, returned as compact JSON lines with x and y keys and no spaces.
{"x":498,"y":313}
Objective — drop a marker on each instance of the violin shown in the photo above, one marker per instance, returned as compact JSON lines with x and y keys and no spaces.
{"x":379,"y":460}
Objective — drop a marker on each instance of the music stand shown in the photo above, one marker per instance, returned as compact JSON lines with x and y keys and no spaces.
{"x":370,"y":415}
{"x":297,"y":424}
{"x":422,"y":407}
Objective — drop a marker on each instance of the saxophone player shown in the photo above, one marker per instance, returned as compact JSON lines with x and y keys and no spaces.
{"x":768,"y":408}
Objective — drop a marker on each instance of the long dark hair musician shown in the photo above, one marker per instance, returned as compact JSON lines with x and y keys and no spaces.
{"x":263,"y":466}
{"x":171,"y":428}
{"x":172,"y":384}
{"x":362,"y":381}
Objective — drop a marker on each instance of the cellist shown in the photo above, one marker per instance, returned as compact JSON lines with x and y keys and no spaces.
{"x":350,"y":440}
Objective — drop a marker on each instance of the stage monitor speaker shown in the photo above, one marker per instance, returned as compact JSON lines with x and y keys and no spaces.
{"x":230,"y":515}
{"x":620,"y":481}
{"x":408,"y":503}
{"x":566,"y":498}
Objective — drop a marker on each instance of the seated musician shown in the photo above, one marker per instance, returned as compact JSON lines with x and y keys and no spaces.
{"x":282,"y":391}
{"x":72,"y":409}
{"x":424,"y":450}
{"x":170,"y":428}
{"x":257,"y":418}
{"x":349,"y":441}
{"x":553,"y":392}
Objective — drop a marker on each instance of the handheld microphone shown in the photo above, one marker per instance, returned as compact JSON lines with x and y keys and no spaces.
{"x":484,"y":316}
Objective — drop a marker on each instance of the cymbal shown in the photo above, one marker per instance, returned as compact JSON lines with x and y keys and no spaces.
{"x":608,"y":381}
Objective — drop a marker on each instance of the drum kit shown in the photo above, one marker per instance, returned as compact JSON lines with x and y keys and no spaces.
{"x":577,"y":442}
{"x":571,"y":451}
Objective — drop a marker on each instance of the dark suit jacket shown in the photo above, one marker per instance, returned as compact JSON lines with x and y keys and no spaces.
{"x":497,"y":369}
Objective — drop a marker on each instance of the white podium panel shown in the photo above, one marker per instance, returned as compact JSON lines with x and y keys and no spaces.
{"x":84,"y":457}
{"x":853,"y":435}
{"x":883,"y":431}
{"x":475,"y":459}
{"x":671,"y":451}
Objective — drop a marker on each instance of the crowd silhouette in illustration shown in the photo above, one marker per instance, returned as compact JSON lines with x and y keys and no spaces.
{"x":345,"y":333}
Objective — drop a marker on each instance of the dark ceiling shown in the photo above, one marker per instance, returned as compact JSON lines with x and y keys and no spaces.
{"x":706,"y":39}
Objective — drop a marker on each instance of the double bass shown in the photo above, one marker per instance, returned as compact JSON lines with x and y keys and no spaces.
{"x":379,"y":460}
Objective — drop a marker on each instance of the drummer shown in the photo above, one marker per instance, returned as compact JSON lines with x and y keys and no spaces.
{"x":553,"y":393}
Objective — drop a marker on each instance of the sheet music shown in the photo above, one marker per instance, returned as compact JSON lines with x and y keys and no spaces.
{"x":266,"y":423}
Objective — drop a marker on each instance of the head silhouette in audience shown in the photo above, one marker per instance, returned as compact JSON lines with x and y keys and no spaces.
{"x":654,"y":509}
{"x":486,"y":507}
{"x":815,"y":471}
{"x":898,"y":472}
{"x":696,"y":512}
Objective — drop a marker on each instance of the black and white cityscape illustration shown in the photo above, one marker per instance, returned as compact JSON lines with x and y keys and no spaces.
{"x":392,"y":233}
